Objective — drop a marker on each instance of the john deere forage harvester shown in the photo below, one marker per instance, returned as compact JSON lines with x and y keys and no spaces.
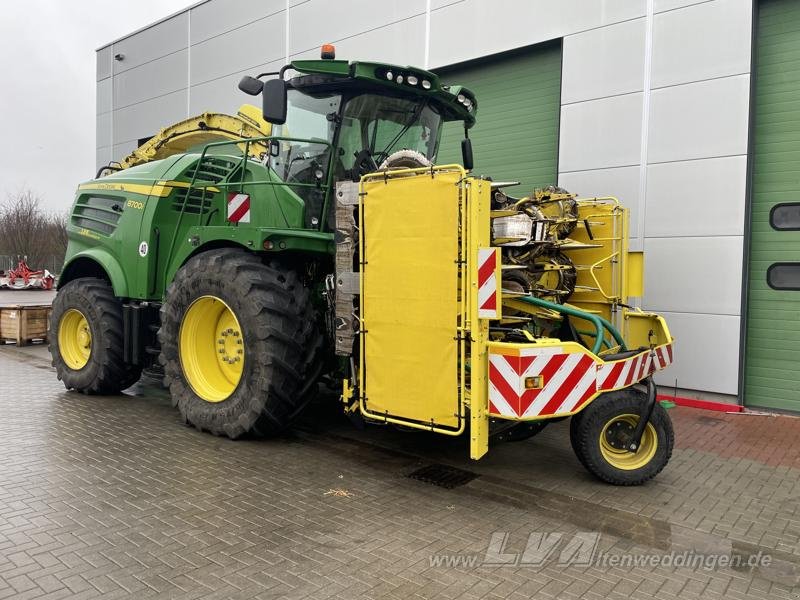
{"x":251,"y":254}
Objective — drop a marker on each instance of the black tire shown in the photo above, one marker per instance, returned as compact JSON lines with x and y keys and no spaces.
{"x":280,"y":334}
{"x":586,"y":429}
{"x":105,"y":372}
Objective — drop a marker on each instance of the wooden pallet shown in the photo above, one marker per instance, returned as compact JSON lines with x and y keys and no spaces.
{"x":24,"y":324}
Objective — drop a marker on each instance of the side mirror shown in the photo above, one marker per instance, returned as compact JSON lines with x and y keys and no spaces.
{"x":250,"y":85}
{"x":466,"y":154}
{"x":274,"y":97}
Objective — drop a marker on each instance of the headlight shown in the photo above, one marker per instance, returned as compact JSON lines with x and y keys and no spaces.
{"x":461,"y":98}
{"x":515,"y":230}
{"x":389,"y":75}
{"x":426,"y":84}
{"x":412,"y":80}
{"x":399,"y":79}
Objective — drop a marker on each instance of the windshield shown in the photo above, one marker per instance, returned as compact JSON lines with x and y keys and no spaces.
{"x":385,"y":124}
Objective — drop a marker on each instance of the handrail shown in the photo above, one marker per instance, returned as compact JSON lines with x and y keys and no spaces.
{"x":599,"y":322}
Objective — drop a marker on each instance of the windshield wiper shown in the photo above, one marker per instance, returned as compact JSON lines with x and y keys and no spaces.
{"x":406,"y":127}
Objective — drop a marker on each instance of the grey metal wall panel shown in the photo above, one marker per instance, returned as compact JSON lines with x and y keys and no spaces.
{"x":701,"y":42}
{"x":150,"y":80}
{"x":103,"y":129}
{"x":223,"y":95}
{"x":699,"y":120}
{"x":696,"y":197}
{"x":159,"y":40}
{"x":604,"y":62}
{"x":102,"y":156}
{"x":254,"y":44}
{"x":697,"y":337}
{"x":104,"y":98}
{"x":215,"y":18}
{"x":474,"y":28}
{"x":146,"y":118}
{"x":400,"y":43}
{"x":104,"y":58}
{"x":317,"y":22}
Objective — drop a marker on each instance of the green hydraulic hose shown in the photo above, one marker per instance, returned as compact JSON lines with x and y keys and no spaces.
{"x":599,"y":322}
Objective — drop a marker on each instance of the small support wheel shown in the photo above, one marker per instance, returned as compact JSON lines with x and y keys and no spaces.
{"x":600,"y":436}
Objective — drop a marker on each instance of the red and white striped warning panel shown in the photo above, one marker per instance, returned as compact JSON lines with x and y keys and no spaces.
{"x":238,"y":207}
{"x":488,"y":283}
{"x":622,"y":373}
{"x":549,"y":381}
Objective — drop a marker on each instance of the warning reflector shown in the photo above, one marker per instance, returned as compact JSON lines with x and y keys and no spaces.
{"x":238,"y":208}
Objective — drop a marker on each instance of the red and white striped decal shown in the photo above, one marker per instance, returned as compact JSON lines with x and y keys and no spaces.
{"x":568,"y":380}
{"x":488,"y":293}
{"x":238,"y":208}
{"x":622,"y":373}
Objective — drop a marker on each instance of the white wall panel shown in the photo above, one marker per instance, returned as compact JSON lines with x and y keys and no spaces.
{"x":214,"y":18}
{"x":104,"y":58}
{"x":102,"y":156}
{"x":701,"y":42}
{"x":621,"y":182}
{"x":706,"y":353}
{"x":699,"y":120}
{"x":317,"y":22}
{"x":156,"y":78}
{"x":601,"y":133}
{"x":401,"y":43}
{"x":254,"y":44}
{"x":665,"y":5}
{"x":475,"y":28}
{"x":146,"y":118}
{"x":159,"y":40}
{"x":696,"y":198}
{"x":223,"y":95}
{"x":693,"y":274}
{"x":603,"y":62}
{"x":103,"y":129}
{"x":103,"y":100}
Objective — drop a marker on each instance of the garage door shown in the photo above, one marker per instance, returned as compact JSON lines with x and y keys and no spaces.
{"x":516,"y":136}
{"x":772,"y":359}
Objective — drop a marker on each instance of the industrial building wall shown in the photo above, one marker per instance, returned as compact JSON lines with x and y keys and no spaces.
{"x":654,"y":110}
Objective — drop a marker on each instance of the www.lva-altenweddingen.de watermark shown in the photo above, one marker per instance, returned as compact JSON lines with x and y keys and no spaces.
{"x":582,"y":549}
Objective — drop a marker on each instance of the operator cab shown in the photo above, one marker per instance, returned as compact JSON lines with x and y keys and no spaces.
{"x":346,"y":119}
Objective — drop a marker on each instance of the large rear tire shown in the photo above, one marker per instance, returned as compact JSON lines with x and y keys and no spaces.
{"x":597,"y":434}
{"x":86,"y":338}
{"x":239,"y":343}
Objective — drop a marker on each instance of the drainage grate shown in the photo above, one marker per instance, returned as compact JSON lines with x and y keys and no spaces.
{"x":443,"y":476}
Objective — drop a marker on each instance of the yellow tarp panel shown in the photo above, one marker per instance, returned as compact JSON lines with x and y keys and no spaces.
{"x":410,"y":297}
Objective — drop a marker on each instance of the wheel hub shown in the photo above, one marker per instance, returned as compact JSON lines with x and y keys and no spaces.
{"x":618,"y":434}
{"x":74,"y":339}
{"x":211,"y":348}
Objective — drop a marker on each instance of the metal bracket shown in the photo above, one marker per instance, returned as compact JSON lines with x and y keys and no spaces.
{"x":644,"y":418}
{"x":348,"y":282}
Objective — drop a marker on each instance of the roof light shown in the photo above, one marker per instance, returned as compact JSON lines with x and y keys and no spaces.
{"x":426,"y":84}
{"x":412,"y":80}
{"x":328,"y":52}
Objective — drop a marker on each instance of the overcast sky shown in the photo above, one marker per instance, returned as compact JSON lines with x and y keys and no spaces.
{"x":47,"y":96}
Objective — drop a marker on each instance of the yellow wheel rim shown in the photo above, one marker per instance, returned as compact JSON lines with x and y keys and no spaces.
{"x":610,"y":443}
{"x":74,"y":339}
{"x":211,"y":349}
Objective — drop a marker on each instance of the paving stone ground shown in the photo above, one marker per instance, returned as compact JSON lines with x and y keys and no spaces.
{"x":112,"y":497}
